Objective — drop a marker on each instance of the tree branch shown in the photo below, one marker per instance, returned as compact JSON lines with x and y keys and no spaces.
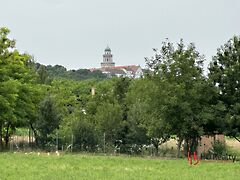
{"x":237,"y":139}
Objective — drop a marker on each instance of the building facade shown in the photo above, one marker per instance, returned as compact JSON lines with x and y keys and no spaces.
{"x":108,"y":67}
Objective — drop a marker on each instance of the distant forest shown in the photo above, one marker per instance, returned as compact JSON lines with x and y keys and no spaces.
{"x":58,"y":71}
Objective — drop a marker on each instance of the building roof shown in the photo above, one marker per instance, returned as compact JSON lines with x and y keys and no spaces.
{"x":132,"y":68}
{"x":107,"y":49}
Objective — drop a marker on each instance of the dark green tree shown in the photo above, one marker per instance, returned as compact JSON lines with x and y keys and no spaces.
{"x":43,"y":77}
{"x":48,"y":121}
{"x":225,"y":75}
{"x":108,"y":119}
{"x":85,"y":134}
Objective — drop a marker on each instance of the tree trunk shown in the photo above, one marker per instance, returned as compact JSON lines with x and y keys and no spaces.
{"x":0,"y":136}
{"x":237,"y":139}
{"x":186,"y":147}
{"x":7,"y":137}
{"x":180,"y":140}
{"x":157,"y":149}
{"x":156,"y":145}
{"x":34,"y":132}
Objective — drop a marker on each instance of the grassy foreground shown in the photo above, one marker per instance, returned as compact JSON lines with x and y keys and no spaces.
{"x":32,"y":166}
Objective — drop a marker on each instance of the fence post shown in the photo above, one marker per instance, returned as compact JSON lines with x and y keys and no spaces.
{"x":104,"y":142}
{"x":57,"y":142}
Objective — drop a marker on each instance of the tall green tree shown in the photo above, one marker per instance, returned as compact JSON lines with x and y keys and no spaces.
{"x":14,"y":77}
{"x":183,"y":96}
{"x":225,"y":75}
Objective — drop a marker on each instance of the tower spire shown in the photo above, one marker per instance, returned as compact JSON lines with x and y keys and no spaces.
{"x":107,"y":58}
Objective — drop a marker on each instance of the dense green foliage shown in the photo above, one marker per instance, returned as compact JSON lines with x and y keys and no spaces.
{"x":225,"y":75}
{"x":183,"y":103}
{"x":59,"y":71}
{"x":120,"y":114}
{"x":19,"y":94}
{"x":31,"y":166}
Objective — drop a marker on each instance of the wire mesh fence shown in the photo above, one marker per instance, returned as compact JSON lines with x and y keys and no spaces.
{"x":28,"y":143}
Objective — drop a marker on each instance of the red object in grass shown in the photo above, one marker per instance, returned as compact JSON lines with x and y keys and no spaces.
{"x":189,"y":158}
{"x":195,"y":156}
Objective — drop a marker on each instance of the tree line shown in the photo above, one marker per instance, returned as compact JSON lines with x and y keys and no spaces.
{"x":174,"y":98}
{"x":60,"y":72}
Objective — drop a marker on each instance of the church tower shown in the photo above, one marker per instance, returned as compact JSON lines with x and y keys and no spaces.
{"x":107,"y":58}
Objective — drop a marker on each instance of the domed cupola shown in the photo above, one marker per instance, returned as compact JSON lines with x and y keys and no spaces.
{"x":107,"y":49}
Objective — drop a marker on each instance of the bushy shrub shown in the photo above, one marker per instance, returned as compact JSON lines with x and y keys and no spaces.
{"x":85,"y":137}
{"x":219,"y":148}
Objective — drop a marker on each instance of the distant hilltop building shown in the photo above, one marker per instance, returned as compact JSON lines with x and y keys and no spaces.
{"x":107,"y":59}
{"x":108,"y":67}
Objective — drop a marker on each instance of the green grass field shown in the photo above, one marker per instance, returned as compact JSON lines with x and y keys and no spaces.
{"x":78,"y":166}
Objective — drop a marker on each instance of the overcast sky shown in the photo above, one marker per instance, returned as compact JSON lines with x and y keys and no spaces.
{"x":74,"y":33}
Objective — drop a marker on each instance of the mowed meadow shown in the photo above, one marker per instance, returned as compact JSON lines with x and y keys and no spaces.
{"x":81,"y":166}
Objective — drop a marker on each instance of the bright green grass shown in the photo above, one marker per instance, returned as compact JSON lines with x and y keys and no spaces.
{"x":32,"y":166}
